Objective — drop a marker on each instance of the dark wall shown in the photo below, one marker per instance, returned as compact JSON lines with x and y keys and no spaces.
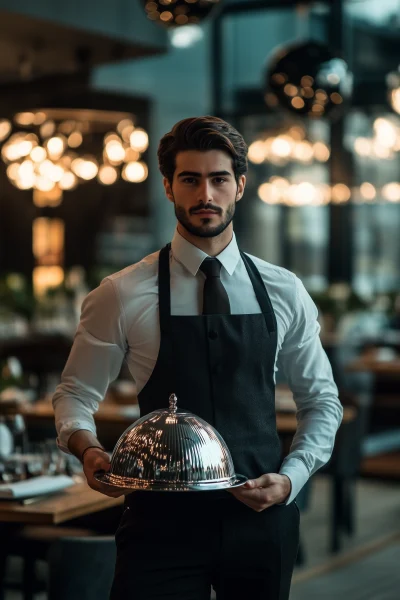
{"x":85,"y":211}
{"x":16,"y":214}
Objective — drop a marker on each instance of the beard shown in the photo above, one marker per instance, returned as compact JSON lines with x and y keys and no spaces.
{"x":204,"y":230}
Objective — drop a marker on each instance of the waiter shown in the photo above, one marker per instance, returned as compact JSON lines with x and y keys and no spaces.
{"x":212,"y":324}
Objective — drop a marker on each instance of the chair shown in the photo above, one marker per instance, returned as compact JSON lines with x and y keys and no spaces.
{"x":81,"y":567}
{"x":32,"y":543}
{"x":303,"y":500}
{"x":344,"y":469}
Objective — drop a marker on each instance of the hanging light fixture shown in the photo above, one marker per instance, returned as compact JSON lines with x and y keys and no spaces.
{"x":179,"y":13}
{"x":54,"y":150}
{"x":309,"y":80}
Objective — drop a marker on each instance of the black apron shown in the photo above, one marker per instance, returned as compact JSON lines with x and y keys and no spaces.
{"x":221,"y":368}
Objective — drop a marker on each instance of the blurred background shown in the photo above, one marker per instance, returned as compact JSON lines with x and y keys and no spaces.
{"x":87,"y":89}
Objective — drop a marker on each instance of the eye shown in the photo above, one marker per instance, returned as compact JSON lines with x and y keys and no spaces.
{"x":220,"y":180}
{"x":189,"y":180}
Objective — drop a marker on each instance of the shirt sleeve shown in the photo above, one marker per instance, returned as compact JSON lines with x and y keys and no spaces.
{"x":95,"y":360}
{"x":309,"y":375}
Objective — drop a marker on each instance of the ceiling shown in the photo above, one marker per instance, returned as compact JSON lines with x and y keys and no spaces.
{"x":33,"y":46}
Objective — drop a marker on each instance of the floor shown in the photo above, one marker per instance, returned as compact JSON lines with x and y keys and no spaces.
{"x":374,"y":577}
{"x":377,"y":524}
{"x":377,"y":516}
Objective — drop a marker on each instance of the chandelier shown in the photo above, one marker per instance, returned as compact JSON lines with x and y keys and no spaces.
{"x":53,"y":150}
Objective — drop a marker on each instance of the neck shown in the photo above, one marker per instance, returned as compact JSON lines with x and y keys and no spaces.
{"x":212,"y":245}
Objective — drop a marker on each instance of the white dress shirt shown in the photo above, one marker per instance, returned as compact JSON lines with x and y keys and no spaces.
{"x":120,"y":321}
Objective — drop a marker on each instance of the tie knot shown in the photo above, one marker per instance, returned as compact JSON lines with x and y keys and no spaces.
{"x":211,"y":267}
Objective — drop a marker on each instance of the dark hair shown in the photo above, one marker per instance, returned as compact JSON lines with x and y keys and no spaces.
{"x":202,"y":133}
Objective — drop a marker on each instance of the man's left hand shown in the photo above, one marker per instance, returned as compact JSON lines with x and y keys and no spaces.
{"x":263,"y":492}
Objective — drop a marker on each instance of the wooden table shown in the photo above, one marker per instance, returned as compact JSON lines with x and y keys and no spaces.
{"x":109,"y":412}
{"x":286,"y":422}
{"x":378,"y":361}
{"x":76,"y":501}
{"x":377,"y":367}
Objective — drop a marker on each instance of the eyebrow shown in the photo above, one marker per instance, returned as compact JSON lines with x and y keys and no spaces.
{"x":212,"y":174}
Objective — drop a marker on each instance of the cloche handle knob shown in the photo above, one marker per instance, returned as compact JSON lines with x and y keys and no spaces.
{"x":173,"y":403}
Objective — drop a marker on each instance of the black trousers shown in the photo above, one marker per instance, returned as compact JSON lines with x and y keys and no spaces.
{"x":175,"y":546}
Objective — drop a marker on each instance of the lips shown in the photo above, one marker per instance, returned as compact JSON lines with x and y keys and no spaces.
{"x":205,"y":212}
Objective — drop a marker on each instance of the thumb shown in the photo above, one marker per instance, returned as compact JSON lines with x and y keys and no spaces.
{"x":260,"y":482}
{"x":250,"y":483}
{"x":102,"y":463}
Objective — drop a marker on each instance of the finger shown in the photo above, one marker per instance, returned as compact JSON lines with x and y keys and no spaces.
{"x":260,"y":497}
{"x":253,"y":494}
{"x":95,"y":482}
{"x":249,"y":484}
{"x":101,"y":464}
{"x":263,"y":481}
{"x":107,"y":490}
{"x":257,"y":505}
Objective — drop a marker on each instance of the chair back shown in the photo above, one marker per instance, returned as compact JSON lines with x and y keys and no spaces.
{"x":81,"y":568}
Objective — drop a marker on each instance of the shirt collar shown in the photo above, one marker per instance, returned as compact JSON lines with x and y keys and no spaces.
{"x":191,"y":257}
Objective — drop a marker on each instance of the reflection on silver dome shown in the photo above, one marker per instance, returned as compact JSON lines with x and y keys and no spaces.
{"x":168,"y":450}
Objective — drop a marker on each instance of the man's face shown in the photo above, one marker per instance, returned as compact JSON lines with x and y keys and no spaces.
{"x":204,"y":191}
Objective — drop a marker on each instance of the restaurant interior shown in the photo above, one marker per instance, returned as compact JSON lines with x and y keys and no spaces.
{"x":87,"y":89}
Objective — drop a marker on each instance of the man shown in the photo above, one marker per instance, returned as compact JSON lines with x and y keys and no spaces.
{"x":212,"y":324}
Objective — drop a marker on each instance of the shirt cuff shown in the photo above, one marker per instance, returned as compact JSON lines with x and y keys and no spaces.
{"x":68,"y":429}
{"x":298,"y":474}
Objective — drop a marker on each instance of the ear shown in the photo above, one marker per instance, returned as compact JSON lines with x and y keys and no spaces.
{"x":240,"y":188}
{"x":168,"y":190}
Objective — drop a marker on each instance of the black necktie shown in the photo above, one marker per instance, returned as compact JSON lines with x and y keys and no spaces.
{"x":215,"y":298}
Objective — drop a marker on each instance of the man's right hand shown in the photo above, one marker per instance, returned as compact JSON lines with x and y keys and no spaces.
{"x":96,"y":459}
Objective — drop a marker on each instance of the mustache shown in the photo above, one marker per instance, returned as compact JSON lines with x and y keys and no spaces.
{"x":205,"y":207}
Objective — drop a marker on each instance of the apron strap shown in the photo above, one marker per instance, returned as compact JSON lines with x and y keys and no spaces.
{"x":166,"y":353}
{"x":261,"y":293}
{"x":164,"y":289}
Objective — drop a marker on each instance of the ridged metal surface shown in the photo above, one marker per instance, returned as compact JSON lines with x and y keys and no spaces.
{"x":168,"y":450}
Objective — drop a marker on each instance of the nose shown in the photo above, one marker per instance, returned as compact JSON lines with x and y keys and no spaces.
{"x":204,"y":192}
